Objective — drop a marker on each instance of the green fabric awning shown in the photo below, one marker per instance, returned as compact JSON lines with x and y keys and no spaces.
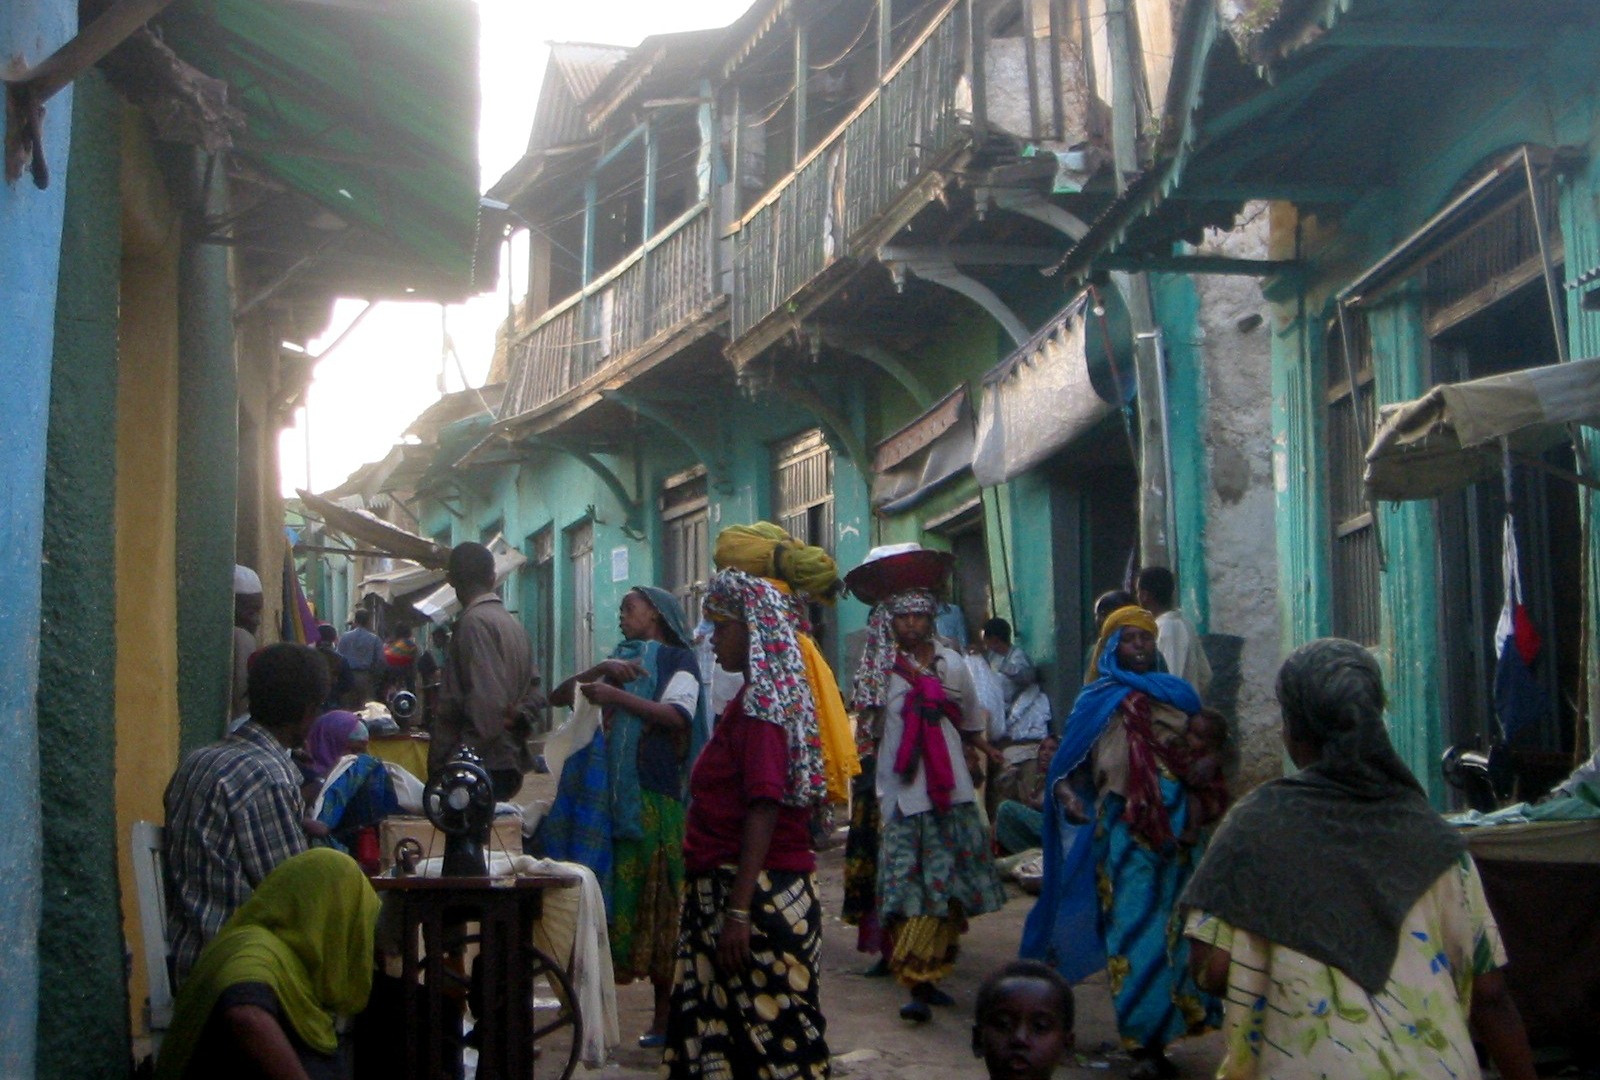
{"x":369,"y":111}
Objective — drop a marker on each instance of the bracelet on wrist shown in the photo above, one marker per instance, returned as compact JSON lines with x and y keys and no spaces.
{"x":737,"y":914}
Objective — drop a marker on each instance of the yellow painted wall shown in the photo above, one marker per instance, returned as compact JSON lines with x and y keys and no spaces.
{"x":146,"y":515}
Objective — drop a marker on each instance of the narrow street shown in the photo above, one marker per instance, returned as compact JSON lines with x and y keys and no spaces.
{"x":868,"y":1038}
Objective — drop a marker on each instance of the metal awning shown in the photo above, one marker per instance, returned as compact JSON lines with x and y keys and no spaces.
{"x":369,"y":111}
{"x":441,"y":605}
{"x":1451,"y":436}
{"x":915,"y":461}
{"x":1037,"y":401}
{"x":391,"y":585}
{"x":373,"y":530}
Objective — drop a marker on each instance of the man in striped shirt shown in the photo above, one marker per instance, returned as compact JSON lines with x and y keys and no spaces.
{"x":234,"y":809}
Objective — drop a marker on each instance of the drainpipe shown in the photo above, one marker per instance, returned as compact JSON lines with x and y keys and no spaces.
{"x":1155,"y":465}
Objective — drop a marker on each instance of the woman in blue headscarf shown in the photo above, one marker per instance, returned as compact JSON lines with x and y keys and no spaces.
{"x":1113,"y":865}
{"x":620,"y":805}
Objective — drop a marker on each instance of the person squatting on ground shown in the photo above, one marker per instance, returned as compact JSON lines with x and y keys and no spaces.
{"x":1113,"y":867}
{"x":934,"y":866}
{"x":1338,"y":915}
{"x":619,"y":805}
{"x":745,"y":1004}
{"x":1022,"y":1024}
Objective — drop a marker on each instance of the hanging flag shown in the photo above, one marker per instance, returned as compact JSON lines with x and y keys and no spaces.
{"x":1519,"y":701}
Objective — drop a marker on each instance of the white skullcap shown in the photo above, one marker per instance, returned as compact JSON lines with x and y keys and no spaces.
{"x":358,"y":733}
{"x":245,"y":581}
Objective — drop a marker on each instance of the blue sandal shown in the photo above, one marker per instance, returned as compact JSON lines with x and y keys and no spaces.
{"x":652,"y":1040}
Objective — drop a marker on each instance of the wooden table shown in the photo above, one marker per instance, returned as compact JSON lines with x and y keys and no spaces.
{"x":438,"y":916}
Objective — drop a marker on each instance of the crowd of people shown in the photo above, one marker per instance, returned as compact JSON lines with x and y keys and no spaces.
{"x":1330,"y":924}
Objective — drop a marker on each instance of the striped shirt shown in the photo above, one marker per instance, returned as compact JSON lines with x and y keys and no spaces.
{"x":233,"y":813}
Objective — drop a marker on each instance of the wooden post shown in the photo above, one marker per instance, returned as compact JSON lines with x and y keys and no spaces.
{"x":802,"y":76}
{"x":885,"y":36}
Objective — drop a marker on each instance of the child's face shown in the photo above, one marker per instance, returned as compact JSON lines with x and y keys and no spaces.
{"x":1022,"y":1036}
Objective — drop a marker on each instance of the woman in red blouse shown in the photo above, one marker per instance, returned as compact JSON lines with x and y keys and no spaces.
{"x":751,"y":938}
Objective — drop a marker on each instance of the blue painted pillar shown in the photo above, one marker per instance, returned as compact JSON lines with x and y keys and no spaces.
{"x":30,"y":236}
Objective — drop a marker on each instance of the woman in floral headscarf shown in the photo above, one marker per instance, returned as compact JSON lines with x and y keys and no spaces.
{"x":804,"y":574}
{"x":751,"y":940}
{"x":1116,"y":805}
{"x":934,"y":866}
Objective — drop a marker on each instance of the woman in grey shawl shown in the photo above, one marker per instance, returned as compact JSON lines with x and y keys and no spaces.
{"x":1339,"y":916}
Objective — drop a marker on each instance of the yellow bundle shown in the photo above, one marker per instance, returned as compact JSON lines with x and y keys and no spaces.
{"x":766,"y":550}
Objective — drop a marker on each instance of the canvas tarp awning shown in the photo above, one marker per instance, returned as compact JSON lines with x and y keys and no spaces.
{"x":374,"y":531}
{"x":1450,"y":437}
{"x":936,"y":447}
{"x":402,"y":581}
{"x":441,"y":605}
{"x":1037,"y":401}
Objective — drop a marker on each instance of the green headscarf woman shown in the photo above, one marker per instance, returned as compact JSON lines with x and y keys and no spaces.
{"x":297,"y":955}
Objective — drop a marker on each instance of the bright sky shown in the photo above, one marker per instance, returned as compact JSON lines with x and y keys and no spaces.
{"x":369,"y":390}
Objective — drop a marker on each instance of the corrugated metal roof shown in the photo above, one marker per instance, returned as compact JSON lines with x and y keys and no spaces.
{"x":572,"y":73}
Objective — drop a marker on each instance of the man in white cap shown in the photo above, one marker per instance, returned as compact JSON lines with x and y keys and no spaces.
{"x":247,"y":605}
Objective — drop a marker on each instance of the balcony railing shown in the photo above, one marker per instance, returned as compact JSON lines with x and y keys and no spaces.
{"x":811,"y":219}
{"x":660,"y":287}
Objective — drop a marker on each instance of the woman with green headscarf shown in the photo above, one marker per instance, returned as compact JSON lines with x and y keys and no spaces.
{"x":619,"y":807}
{"x":263,"y":998}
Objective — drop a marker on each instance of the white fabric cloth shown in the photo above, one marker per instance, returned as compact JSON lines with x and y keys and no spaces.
{"x":991,"y":694}
{"x":1180,"y":647}
{"x":1029,"y":718}
{"x":911,"y":797}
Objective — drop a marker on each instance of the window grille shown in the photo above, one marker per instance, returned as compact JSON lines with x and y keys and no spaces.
{"x":686,"y":540}
{"x":802,"y":488}
{"x":1353,"y":540}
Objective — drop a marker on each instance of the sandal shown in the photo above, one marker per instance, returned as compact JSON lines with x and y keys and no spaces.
{"x":652,"y":1040}
{"x":929,"y":994}
{"x":915,"y":1011}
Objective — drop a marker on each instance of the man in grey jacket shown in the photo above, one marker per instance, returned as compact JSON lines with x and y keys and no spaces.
{"x":489,"y":689}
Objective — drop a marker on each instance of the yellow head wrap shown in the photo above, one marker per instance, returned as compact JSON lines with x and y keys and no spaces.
{"x":766,"y":550}
{"x":1124,"y":616}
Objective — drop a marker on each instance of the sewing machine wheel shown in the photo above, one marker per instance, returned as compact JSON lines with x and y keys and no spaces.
{"x":557,"y":1027}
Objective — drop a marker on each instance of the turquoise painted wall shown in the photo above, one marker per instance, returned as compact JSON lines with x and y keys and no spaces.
{"x":549,"y":489}
{"x":1177,"y":305}
{"x":1545,"y":99}
{"x":30,"y":235}
{"x":83,"y":996}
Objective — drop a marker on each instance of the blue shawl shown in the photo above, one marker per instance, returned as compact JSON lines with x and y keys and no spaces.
{"x":1063,"y":929}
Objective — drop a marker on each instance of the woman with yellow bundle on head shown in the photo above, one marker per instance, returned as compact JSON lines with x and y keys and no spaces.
{"x":803,"y":573}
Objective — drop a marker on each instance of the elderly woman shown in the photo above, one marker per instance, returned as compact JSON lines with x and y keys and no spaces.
{"x":1113,"y":869}
{"x":746,"y":995}
{"x":934,"y":867}
{"x":1339,"y":915}
{"x":266,"y":992}
{"x":620,"y":803}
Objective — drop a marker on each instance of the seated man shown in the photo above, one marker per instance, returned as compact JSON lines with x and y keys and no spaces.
{"x":234,"y":808}
{"x":1018,"y":823}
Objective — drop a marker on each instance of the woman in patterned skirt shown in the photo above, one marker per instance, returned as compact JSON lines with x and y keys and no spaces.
{"x":745,"y":1005}
{"x":934,"y":866}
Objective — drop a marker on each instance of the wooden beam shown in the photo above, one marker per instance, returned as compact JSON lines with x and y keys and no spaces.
{"x":802,"y":79}
{"x":1436,"y":35}
{"x":1194,"y":264}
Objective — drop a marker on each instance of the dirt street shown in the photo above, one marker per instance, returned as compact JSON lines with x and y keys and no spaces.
{"x":869,"y":1039}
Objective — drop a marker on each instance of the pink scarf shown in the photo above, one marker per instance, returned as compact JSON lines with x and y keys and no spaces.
{"x":922,"y":741}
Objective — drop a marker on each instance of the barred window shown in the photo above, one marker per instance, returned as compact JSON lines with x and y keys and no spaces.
{"x":802,"y":488}
{"x":1353,"y":538}
{"x":686,"y":539}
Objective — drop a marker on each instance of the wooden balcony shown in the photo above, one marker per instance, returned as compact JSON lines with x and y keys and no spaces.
{"x":619,"y":317}
{"x":829,"y":206}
